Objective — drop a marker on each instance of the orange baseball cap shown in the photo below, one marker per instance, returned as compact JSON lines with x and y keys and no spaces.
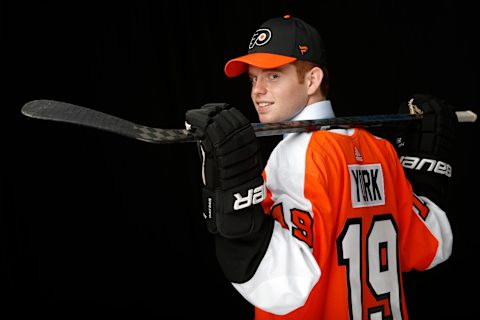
{"x":277,"y":42}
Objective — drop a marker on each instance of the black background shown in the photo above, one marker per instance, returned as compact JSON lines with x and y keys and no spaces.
{"x":98,"y":224}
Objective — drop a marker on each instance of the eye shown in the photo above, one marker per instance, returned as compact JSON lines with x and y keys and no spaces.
{"x":274,"y":76}
{"x":252,"y":79}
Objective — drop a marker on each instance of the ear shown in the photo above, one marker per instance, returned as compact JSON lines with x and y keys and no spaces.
{"x":314,"y":78}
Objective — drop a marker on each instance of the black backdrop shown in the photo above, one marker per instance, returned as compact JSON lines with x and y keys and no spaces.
{"x":98,"y":224}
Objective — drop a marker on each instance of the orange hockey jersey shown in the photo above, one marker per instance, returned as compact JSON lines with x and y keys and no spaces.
{"x":347,"y":226}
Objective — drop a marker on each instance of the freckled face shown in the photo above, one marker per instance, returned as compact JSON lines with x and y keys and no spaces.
{"x":276,"y":93}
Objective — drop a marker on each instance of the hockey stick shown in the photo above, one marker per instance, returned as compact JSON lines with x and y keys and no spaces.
{"x":70,"y":113}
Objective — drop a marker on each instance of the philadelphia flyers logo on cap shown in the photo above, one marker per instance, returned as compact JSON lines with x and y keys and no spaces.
{"x":260,"y":38}
{"x":303,"y":49}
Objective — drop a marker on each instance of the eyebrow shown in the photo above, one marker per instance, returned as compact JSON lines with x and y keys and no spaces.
{"x":279,"y":69}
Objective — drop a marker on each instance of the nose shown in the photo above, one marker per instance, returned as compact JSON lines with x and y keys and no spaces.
{"x":259,"y":87}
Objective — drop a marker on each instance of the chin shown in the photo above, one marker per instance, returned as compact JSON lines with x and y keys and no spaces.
{"x":270,"y":119}
{"x":265,"y":119}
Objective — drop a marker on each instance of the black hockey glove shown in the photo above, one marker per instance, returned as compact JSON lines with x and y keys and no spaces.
{"x":231,"y":170}
{"x":426,"y":148}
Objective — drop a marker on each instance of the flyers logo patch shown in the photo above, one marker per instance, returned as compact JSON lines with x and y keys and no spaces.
{"x":260,"y":38}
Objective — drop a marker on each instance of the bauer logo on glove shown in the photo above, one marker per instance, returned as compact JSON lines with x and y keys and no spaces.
{"x":254,"y":196}
{"x":430,"y":165}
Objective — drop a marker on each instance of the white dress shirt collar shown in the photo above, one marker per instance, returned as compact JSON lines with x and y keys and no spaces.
{"x":318,"y":110}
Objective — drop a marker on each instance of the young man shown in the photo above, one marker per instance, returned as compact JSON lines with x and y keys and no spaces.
{"x":326,"y":229}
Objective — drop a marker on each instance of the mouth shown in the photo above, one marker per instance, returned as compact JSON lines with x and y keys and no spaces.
{"x":263,"y":106}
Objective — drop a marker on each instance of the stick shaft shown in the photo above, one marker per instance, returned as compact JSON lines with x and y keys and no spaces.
{"x":70,"y":113}
{"x":268,"y":129}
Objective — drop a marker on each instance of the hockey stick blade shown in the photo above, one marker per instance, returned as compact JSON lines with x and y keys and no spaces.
{"x":70,"y":113}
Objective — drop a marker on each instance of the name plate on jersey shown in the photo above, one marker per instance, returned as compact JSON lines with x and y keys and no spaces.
{"x":367,"y":187}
